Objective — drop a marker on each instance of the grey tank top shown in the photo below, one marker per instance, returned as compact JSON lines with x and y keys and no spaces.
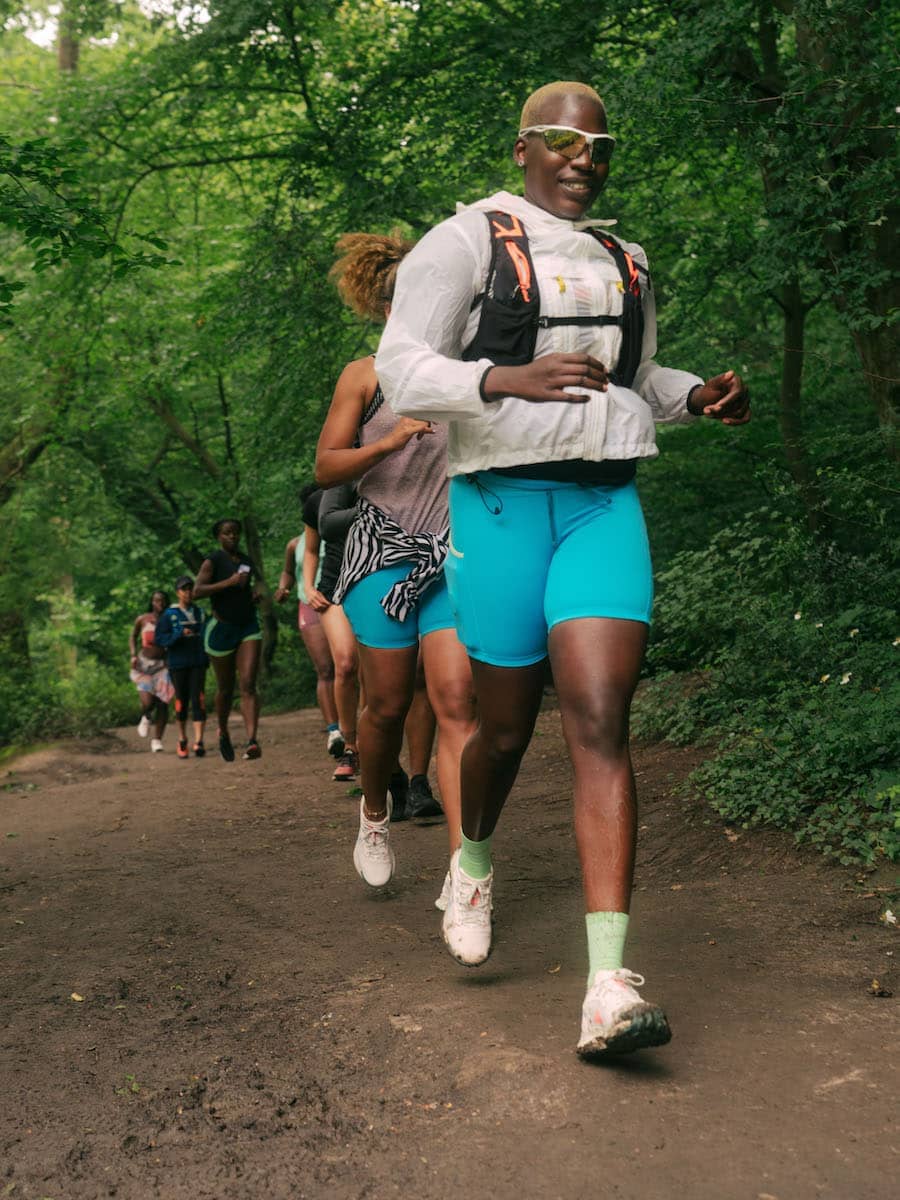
{"x":409,"y":485}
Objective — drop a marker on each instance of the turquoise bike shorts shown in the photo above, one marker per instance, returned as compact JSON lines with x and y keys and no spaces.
{"x":373,"y":627}
{"x":527,"y":554}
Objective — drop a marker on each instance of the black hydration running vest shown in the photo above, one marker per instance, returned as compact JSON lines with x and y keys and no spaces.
{"x":511,"y":303}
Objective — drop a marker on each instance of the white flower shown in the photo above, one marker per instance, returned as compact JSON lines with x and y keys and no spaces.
{"x":896,"y":641}
{"x":824,"y":678}
{"x":797,"y":616}
{"x":846,"y":677}
{"x":854,"y":632}
{"x":819,"y":624}
{"x":888,"y":917}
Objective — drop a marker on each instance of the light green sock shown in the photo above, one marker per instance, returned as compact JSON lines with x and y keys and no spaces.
{"x":475,"y":857}
{"x":606,"y":932}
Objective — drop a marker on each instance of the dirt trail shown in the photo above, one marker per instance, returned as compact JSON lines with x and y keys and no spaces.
{"x":255,"y":1023}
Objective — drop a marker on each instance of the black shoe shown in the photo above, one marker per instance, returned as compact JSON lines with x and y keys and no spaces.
{"x":398,"y":786}
{"x":199,"y":750}
{"x":252,"y":750}
{"x":225,"y":747}
{"x":422,"y":805}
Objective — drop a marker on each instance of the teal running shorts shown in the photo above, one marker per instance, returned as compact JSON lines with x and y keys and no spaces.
{"x":527,"y":554}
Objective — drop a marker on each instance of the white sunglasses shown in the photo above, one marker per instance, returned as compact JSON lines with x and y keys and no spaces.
{"x":570,"y":142}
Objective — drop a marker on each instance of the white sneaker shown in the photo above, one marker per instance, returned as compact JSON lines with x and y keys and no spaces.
{"x":372,"y":854}
{"x":155,"y":745}
{"x":335,"y":743}
{"x":444,"y":897}
{"x":143,"y":727}
{"x":614,"y":1019}
{"x":467,"y":919}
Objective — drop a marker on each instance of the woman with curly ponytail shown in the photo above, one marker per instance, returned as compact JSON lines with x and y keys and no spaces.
{"x":392,"y":583}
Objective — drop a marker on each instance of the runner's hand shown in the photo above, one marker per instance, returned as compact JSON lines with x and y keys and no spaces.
{"x":318,"y":601}
{"x":543,"y":381}
{"x":724,"y":398}
{"x":406,"y":429}
{"x":281,"y":593}
{"x":239,"y":579}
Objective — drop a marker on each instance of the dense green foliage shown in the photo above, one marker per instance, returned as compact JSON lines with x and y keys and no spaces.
{"x":178,"y":175}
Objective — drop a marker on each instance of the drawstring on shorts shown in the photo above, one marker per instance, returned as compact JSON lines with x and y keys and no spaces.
{"x":483,"y":491}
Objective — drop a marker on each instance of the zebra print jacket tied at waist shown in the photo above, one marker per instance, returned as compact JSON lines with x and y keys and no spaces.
{"x":376,"y":541}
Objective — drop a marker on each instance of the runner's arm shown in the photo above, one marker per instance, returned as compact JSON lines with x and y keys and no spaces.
{"x":338,"y":459}
{"x":287,"y":578}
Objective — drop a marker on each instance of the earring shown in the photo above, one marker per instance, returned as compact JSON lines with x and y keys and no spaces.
{"x":520,"y":162}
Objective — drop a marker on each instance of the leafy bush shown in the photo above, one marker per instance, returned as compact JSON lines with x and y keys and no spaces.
{"x":794,"y":647}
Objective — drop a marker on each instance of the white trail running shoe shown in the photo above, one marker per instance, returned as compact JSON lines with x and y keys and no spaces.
{"x":372,"y":854}
{"x":156,"y":745}
{"x":615,"y":1020}
{"x":443,"y":899}
{"x":143,"y":727}
{"x":335,"y":743}
{"x":467,"y":918}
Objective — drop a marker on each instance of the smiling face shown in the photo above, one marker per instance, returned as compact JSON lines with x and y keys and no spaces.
{"x":158,"y":602}
{"x":565,"y":187}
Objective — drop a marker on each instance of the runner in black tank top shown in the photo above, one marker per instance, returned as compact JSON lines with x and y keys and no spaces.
{"x":233,"y":638}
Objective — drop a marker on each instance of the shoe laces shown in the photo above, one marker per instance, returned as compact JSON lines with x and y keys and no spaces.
{"x":473,"y":900}
{"x":375,"y":836}
{"x":622,"y":975}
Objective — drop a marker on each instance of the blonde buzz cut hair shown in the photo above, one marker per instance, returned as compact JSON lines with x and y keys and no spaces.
{"x":531,"y":112}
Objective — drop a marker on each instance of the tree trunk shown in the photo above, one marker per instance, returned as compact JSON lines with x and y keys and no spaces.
{"x":877,"y":349}
{"x":67,"y":43}
{"x":14,"y":644}
{"x":791,"y":408}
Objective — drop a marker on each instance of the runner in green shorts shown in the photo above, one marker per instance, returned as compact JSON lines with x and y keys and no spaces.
{"x":233,"y":637}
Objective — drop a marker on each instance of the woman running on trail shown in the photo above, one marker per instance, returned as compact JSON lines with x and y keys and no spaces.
{"x":149,"y":674}
{"x":532,"y":332}
{"x":233,"y":638}
{"x":307,"y":545}
{"x":341,"y":502}
{"x":392,"y":585}
{"x":180,"y":633}
{"x":337,"y":512}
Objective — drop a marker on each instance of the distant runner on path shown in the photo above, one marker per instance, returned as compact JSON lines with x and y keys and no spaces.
{"x":392,"y":583}
{"x":233,"y":637}
{"x":328,"y":515}
{"x":149,"y":674}
{"x":301,"y":557}
{"x":532,"y":332}
{"x":180,"y":633}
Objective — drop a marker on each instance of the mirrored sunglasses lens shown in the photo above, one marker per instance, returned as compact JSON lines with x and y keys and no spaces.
{"x":601,"y":151}
{"x":566,"y":142}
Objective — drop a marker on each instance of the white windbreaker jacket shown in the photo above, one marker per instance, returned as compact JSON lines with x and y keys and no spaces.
{"x":432,"y":320}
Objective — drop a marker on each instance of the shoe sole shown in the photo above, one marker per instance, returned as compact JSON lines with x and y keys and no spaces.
{"x":638,"y":1029}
